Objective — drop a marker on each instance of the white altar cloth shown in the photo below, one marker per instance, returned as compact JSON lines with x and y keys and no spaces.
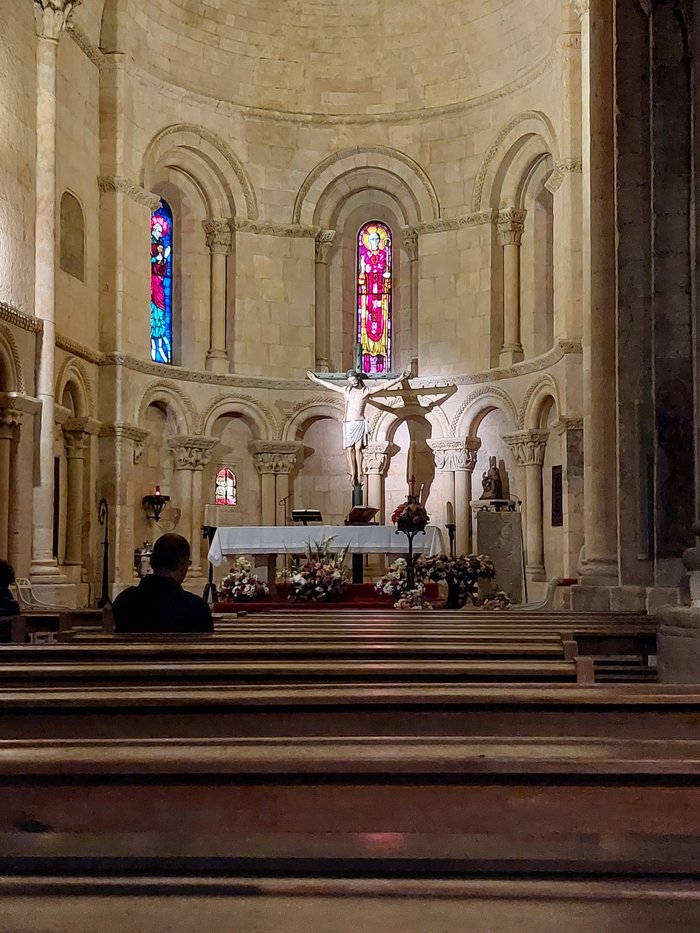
{"x":293,"y":539}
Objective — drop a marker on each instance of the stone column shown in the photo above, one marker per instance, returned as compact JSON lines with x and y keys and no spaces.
{"x":218,"y":236}
{"x":10,"y":419}
{"x":528,"y":448}
{"x":51,"y":18}
{"x":285,"y":462}
{"x":571,"y":431}
{"x":456,"y":456}
{"x":599,"y":564}
{"x":75,"y":439}
{"x":410,"y":245}
{"x":511,"y":223}
{"x":191,"y":454}
{"x":274,"y":461}
{"x":375,"y":465}
{"x":324,"y":241}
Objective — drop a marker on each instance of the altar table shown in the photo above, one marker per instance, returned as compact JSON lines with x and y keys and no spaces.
{"x":294,"y":539}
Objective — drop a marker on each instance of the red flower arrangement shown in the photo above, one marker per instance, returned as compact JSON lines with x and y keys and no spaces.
{"x":410,"y":516}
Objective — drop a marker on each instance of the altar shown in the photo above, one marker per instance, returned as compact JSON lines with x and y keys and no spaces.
{"x":295,"y":539}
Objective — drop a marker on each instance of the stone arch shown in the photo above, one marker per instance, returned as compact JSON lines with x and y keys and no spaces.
{"x":205,"y":157}
{"x":319,"y":407}
{"x":472,"y":410}
{"x":260,"y":418}
{"x":385,"y":424}
{"x":74,"y":377}
{"x":176,"y":402}
{"x":11,"y":372}
{"x":383,"y":163}
{"x":535,"y":398}
{"x":510,"y":138}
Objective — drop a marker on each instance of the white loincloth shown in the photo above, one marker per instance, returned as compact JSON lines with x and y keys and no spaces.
{"x":354,"y":432}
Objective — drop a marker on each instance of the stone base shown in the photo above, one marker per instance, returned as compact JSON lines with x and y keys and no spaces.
{"x":68,"y":595}
{"x":679,"y":646}
{"x":587,"y":598}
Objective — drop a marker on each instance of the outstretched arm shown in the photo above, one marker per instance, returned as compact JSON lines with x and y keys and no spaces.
{"x":322,"y":382}
{"x":391,"y":385}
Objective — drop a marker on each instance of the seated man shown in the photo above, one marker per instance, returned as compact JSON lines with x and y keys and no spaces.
{"x":8,"y":604}
{"x":159,"y":603}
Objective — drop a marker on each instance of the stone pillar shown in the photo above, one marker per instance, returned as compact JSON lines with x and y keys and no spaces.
{"x":599,"y":564}
{"x":51,"y":18}
{"x":511,"y":223}
{"x":75,"y":439}
{"x":571,"y":431}
{"x":410,"y":245}
{"x":324,"y":241}
{"x":456,"y":456}
{"x":375,"y":465}
{"x":528,"y":448}
{"x":10,"y":419}
{"x":191,"y":454}
{"x":218,"y":236}
{"x":274,"y":461}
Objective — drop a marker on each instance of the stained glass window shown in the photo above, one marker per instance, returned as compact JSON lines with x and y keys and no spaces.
{"x":374,"y":297}
{"x":226,"y":487}
{"x":162,"y":284}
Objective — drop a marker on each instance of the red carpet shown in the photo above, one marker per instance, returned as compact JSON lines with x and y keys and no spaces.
{"x":357,"y":596}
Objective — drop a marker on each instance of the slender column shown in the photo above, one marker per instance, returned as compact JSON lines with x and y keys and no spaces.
{"x":191,"y":454}
{"x":410,"y":245}
{"x":571,"y":431}
{"x":599,"y":565}
{"x":10,"y":419}
{"x":218,"y":236}
{"x":273,"y":461}
{"x":324,"y":241}
{"x":51,"y":17}
{"x":511,"y":223}
{"x":456,"y":456}
{"x":528,"y":448}
{"x":75,"y":439}
{"x":375,"y":466}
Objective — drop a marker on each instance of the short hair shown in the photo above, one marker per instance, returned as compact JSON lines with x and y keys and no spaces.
{"x":7,"y":573}
{"x":169,"y":551}
{"x":353,"y":372}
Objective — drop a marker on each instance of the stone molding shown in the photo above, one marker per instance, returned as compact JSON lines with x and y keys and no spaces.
{"x":51,"y":17}
{"x":18,"y":318}
{"x":83,"y":42}
{"x":409,"y":242}
{"x":563,"y":167}
{"x":218,"y":236}
{"x":564,"y":425}
{"x":265,"y":228}
{"x":324,"y":241}
{"x":192,"y":451}
{"x":77,"y":349}
{"x":511,"y":226}
{"x":81,"y":426}
{"x":274,"y":456}
{"x":10,"y":418}
{"x":128,"y":187}
{"x":454,"y":454}
{"x":127,"y":432}
{"x":527,"y":447}
{"x":377,"y":456}
{"x":582,"y":7}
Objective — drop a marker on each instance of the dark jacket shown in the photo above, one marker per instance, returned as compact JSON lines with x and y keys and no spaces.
{"x":159,"y":604}
{"x":8,"y":604}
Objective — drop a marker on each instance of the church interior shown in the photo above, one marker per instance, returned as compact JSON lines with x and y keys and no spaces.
{"x":486,"y":208}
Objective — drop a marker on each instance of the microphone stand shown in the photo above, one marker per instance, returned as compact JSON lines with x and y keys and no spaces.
{"x":283,"y":502}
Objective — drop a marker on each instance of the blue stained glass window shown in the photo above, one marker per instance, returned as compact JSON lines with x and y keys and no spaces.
{"x":162,"y":284}
{"x":374,"y":287}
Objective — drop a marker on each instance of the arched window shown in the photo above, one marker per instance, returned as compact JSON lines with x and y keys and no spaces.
{"x":162,"y":284}
{"x":72,"y":236}
{"x":374,"y":271}
{"x":226,"y":487}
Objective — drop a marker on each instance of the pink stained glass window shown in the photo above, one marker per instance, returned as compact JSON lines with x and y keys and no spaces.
{"x":374,"y":288}
{"x":225,"y":487}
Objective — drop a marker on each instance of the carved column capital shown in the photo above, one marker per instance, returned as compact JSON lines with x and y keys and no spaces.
{"x":192,"y":452}
{"x":75,"y":443}
{"x":409,"y":241}
{"x":274,"y":456}
{"x":52,"y":17}
{"x":454,"y":454}
{"x":10,"y":418}
{"x":218,"y":236}
{"x":376,"y":457}
{"x":564,"y":425}
{"x":323,"y":242}
{"x":581,"y":6}
{"x":128,"y":432}
{"x":527,"y":447}
{"x":511,"y":224}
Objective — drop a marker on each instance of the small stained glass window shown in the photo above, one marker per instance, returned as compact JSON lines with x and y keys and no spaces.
{"x":162,"y":284}
{"x":374,"y":288}
{"x":226,"y":487}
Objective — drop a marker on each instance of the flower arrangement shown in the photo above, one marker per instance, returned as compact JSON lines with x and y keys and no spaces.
{"x":395,"y":581}
{"x":413,"y":599}
{"x":496,"y":601}
{"x":241,"y":584}
{"x":459,"y":573}
{"x":321,"y":576}
{"x":410,"y":516}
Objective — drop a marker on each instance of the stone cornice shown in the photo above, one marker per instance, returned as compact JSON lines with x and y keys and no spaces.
{"x":78,"y":349}
{"x":265,"y":228}
{"x":130,"y":189}
{"x":81,"y":40}
{"x":129,"y":432}
{"x":12,"y":315}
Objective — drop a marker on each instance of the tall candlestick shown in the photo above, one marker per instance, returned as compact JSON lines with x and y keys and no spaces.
{"x":450,"y":513}
{"x":411,"y":462}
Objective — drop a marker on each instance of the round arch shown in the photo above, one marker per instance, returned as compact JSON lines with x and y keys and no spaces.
{"x":477,"y":405}
{"x":261,"y":420}
{"x":11,"y":372}
{"x":176,"y":402}
{"x":73,"y":376}
{"x":535,"y":399}
{"x":304,"y":412}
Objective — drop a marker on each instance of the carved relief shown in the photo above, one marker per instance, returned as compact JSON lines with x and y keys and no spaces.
{"x":274,"y":456}
{"x":51,"y":17}
{"x":511,"y":225}
{"x":456,"y":454}
{"x":192,"y":452}
{"x":324,"y":241}
{"x":218,"y":236}
{"x":133,"y":191}
{"x":527,"y":447}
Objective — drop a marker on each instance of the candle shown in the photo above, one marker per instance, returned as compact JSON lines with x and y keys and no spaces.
{"x":157,"y":491}
{"x":411,"y":462}
{"x":450,"y":511}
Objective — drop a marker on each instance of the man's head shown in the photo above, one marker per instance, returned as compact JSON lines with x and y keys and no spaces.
{"x":171,"y":557}
{"x":7,"y":574}
{"x":374,"y":240}
{"x":353,"y":377}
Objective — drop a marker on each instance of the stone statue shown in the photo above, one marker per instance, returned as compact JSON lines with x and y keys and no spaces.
{"x":355,"y":426}
{"x":491,"y":481}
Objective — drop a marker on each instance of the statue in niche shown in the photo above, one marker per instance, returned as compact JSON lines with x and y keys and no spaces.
{"x":492,"y":482}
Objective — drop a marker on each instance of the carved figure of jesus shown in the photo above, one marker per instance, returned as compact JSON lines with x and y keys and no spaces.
{"x":355,"y":426}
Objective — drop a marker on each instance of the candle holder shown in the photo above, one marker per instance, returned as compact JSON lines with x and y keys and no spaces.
{"x":154,"y":504}
{"x":410,"y":531}
{"x":451,"y":531}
